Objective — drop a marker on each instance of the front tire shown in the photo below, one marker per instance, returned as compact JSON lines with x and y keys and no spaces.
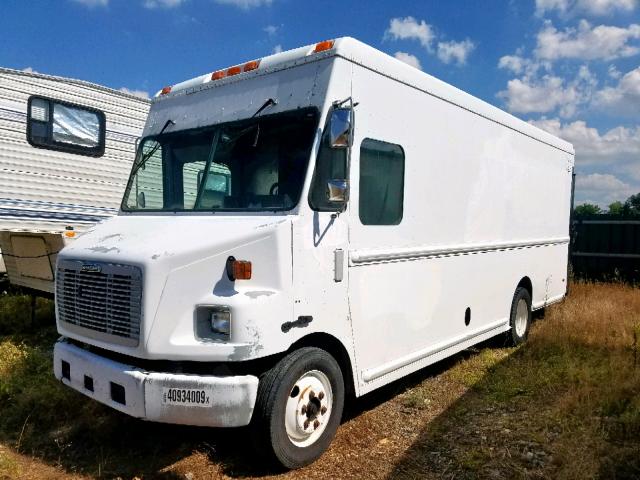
{"x":520,"y":317}
{"x":299,"y":407}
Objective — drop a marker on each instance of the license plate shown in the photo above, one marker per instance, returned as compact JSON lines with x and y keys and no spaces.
{"x":189,"y":397}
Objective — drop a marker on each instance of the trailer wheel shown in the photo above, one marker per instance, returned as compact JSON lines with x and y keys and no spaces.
{"x":520,"y":318}
{"x":298,"y":407}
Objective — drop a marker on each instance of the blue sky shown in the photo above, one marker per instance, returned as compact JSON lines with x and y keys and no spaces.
{"x":570,"y":66}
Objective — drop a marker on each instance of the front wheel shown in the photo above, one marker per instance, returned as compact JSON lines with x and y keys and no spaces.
{"x":299,"y":407}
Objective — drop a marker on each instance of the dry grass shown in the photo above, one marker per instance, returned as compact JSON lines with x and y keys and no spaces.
{"x":565,"y":405}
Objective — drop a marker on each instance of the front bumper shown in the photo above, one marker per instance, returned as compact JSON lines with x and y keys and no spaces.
{"x":143,"y":394}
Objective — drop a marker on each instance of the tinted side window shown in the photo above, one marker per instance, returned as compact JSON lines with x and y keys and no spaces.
{"x":66,"y":127}
{"x":381,"y":183}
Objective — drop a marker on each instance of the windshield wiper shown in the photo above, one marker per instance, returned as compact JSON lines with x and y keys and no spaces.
{"x":150,"y":154}
{"x":269,"y":103}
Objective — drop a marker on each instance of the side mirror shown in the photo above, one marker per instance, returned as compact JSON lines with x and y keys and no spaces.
{"x":337,"y":191}
{"x":142,"y":201}
{"x":340,"y":127}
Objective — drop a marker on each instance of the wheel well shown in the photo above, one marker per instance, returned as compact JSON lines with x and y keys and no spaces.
{"x":332,"y":345}
{"x":526,"y":284}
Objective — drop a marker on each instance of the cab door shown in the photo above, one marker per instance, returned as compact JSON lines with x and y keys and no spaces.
{"x":320,"y":244}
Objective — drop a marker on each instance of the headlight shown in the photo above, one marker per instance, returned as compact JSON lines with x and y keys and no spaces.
{"x":213,"y":322}
{"x":221,"y":321}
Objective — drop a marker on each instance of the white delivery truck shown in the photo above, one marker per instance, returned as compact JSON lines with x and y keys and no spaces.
{"x":66,"y":149}
{"x":310,"y":225}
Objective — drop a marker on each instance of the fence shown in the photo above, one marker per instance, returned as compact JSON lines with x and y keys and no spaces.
{"x":605,"y":246}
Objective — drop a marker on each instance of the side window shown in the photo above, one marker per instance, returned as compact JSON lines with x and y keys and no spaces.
{"x":331,"y":164}
{"x":381,"y":183}
{"x":66,"y":127}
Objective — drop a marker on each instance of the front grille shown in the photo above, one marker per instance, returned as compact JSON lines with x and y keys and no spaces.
{"x":104,"y":298}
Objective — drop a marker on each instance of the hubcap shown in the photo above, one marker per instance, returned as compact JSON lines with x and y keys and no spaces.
{"x":522,"y":317}
{"x":308,"y":408}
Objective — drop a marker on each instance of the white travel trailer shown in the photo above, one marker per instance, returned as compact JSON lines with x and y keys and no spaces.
{"x":353,"y":220}
{"x":66,"y":149}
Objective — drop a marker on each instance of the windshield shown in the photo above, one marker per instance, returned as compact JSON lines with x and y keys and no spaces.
{"x":251,"y":165}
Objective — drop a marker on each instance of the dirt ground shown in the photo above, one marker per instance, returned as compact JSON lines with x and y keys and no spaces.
{"x":565,"y":405}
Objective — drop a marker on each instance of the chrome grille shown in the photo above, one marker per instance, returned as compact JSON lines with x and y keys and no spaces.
{"x":104,"y":298}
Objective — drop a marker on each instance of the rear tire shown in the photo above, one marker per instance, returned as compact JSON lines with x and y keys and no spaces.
{"x":520,"y":317}
{"x":298,"y":408}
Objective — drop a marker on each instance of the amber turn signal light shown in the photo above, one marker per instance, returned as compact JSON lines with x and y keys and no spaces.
{"x":238,"y":269}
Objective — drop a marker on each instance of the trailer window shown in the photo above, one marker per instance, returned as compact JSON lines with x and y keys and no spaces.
{"x":381,"y":183}
{"x":66,"y":127}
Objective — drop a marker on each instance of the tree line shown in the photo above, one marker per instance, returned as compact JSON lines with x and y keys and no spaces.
{"x":627,"y":208}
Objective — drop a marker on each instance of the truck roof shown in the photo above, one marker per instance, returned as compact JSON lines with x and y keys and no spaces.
{"x":361,"y":54}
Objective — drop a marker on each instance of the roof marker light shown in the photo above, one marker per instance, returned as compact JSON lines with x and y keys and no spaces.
{"x":323,"y":46}
{"x":218,"y":75}
{"x":234,"y":71}
{"x":165,"y":90}
{"x":252,"y":65}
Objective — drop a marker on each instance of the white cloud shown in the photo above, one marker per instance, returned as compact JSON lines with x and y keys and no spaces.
{"x":602,"y":189}
{"x":613,"y":72}
{"x":271,"y":30}
{"x":455,"y":52}
{"x":408,"y":59}
{"x":515,"y":63}
{"x":29,"y":70}
{"x":539,"y":89}
{"x":245,"y":4}
{"x":589,"y":7}
{"x":624,"y":98}
{"x":93,"y":3}
{"x":518,"y":64}
{"x":530,"y":94}
{"x":162,"y":3}
{"x":135,"y":93}
{"x":277,"y":48}
{"x":448,"y":51}
{"x":411,"y":29}
{"x":616,"y":146}
{"x":614,"y":155}
{"x":587,"y":42}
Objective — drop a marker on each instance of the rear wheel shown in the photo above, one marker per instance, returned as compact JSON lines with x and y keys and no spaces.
{"x":520,"y":318}
{"x":299,"y":407}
